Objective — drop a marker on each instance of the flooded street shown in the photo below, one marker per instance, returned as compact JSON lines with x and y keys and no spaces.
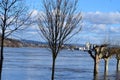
{"x":35,"y":64}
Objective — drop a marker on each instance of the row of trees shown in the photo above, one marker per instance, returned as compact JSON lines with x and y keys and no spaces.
{"x":104,"y":52}
{"x":58,"y":24}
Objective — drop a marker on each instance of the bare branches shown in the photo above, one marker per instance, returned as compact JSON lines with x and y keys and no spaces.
{"x":13,"y":16}
{"x":91,"y":54}
{"x":59,"y":22}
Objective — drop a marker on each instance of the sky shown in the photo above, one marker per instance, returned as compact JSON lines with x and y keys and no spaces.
{"x":101,"y":22}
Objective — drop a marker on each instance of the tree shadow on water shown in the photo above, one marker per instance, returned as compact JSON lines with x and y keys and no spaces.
{"x":98,"y":77}
{"x":117,"y":75}
{"x":106,"y":76}
{"x":95,"y":77}
{"x":102,"y":77}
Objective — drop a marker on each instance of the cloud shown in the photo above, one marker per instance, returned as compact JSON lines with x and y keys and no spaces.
{"x":98,"y":28}
{"x":115,"y":29}
{"x":91,"y":17}
{"x":102,"y":17}
{"x":32,"y":32}
{"x":100,"y":24}
{"x":94,"y":29}
{"x":82,"y":39}
{"x":34,"y":13}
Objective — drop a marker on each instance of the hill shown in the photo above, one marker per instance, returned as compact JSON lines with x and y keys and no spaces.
{"x":22,"y":43}
{"x":30,"y":43}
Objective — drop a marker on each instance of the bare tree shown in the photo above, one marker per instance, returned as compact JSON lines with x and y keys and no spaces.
{"x":58,"y":23}
{"x":116,"y":51}
{"x":97,"y":53}
{"x":12,"y":18}
{"x":118,"y":61}
{"x":106,"y":55}
{"x":94,"y":53}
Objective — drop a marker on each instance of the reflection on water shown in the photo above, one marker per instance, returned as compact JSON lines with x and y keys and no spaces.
{"x":118,"y":75}
{"x":35,"y":64}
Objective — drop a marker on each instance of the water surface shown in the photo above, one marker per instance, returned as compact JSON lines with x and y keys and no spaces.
{"x":35,"y":64}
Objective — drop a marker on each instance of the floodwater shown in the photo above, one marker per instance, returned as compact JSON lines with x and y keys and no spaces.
{"x":35,"y":64}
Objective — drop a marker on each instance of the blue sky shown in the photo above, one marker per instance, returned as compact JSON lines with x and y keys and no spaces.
{"x":101,"y":21}
{"x":99,"y":5}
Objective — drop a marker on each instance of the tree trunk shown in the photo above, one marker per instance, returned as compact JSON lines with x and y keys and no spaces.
{"x":1,"y":55}
{"x":1,"y":63}
{"x":96,"y":65}
{"x":105,"y":77}
{"x":96,"y":77}
{"x":118,"y":65}
{"x":53,"y":69}
{"x":106,"y":66}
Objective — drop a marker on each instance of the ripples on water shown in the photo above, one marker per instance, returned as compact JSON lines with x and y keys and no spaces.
{"x":35,"y":64}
